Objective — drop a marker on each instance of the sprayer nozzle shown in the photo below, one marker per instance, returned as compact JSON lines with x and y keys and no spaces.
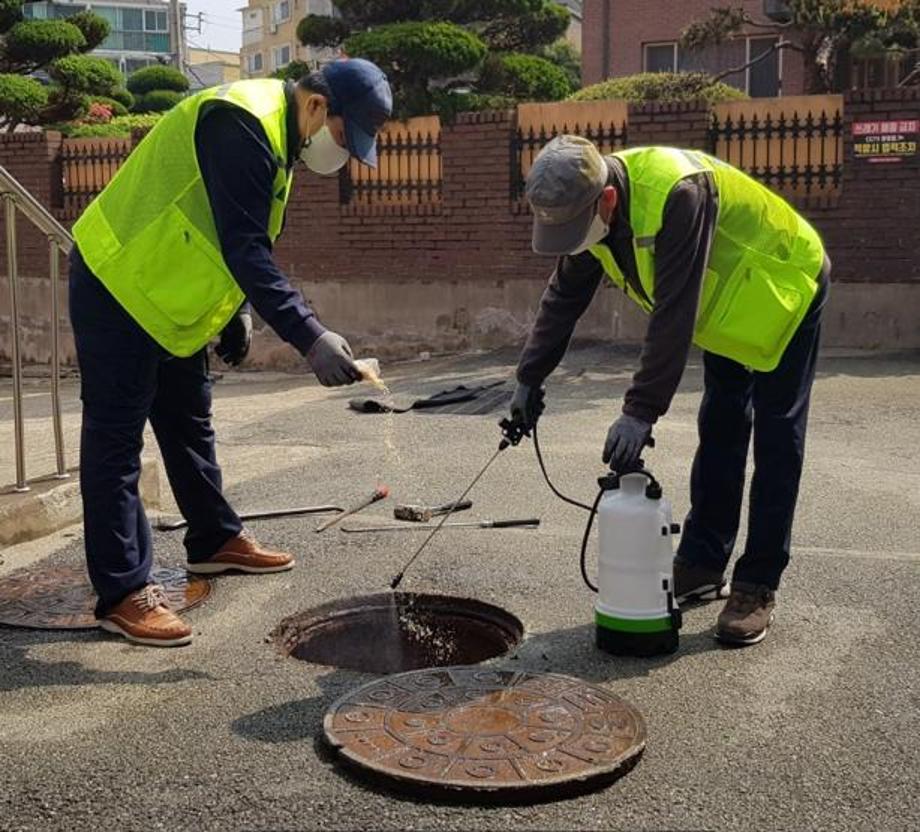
{"x":396,"y":581}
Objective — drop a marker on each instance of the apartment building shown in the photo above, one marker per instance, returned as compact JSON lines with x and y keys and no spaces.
{"x":142,"y":31}
{"x":270,"y":35}
{"x":211,"y":68}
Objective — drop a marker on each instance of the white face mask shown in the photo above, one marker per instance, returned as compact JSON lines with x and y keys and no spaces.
{"x":596,"y":232}
{"x":323,"y":154}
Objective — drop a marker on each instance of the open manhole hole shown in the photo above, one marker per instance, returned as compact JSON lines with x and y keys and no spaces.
{"x":395,"y":632}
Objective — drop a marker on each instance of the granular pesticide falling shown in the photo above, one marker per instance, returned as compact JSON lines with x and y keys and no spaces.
{"x":370,"y":369}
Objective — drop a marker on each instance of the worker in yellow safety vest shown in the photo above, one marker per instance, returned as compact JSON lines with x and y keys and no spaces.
{"x":168,"y":257}
{"x":718,"y":260}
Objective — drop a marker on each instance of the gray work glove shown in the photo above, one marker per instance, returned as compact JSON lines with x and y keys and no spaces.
{"x":236,"y":339}
{"x":332,"y":361}
{"x":526,"y":406}
{"x":625,"y":440}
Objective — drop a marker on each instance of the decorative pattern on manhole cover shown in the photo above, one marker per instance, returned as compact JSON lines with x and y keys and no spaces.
{"x":61,"y":597}
{"x":495,"y":731}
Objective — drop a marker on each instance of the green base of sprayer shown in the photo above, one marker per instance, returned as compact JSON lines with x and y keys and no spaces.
{"x":654,"y":637}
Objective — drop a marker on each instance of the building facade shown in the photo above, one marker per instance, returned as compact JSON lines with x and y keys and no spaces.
{"x":211,"y":68}
{"x":573,"y":35}
{"x":625,"y":37}
{"x":142,"y":30}
{"x":270,"y":35}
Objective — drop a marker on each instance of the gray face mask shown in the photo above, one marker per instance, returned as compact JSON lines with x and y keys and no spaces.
{"x":322,"y":154}
{"x":596,"y":232}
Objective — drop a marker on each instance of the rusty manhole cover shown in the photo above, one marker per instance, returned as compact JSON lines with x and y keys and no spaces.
{"x":61,"y":597}
{"x":486,"y":734}
{"x":394,"y":632}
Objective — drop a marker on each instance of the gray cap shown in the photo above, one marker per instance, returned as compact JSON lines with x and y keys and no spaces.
{"x":564,"y":183}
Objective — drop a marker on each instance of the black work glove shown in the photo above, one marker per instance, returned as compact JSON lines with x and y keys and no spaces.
{"x":236,"y":339}
{"x":625,"y":440}
{"x":527,"y":406}
{"x":332,"y":361}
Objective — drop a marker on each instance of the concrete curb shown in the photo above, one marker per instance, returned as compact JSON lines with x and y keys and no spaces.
{"x":53,"y":504}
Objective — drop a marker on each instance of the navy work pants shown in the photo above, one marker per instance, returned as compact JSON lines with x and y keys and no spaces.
{"x":127,"y":378}
{"x":775,"y":405}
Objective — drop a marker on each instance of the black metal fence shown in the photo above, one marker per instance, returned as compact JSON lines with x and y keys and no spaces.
{"x":526,"y":144}
{"x":799,"y":154}
{"x":408,"y":172}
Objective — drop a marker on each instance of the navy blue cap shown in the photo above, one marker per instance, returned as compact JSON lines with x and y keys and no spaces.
{"x":361,"y":95}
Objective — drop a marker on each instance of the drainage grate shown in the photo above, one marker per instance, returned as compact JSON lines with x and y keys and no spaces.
{"x":394,"y":632}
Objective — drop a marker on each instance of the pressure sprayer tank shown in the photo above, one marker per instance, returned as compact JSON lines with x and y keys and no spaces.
{"x":635,"y":613}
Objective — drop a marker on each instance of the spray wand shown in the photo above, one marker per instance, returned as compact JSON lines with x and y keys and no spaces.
{"x":512,"y":434}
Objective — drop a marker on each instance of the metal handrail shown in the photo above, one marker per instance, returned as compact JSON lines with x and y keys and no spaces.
{"x":15,"y":196}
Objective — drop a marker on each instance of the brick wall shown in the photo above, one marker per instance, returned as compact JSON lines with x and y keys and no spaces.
{"x":471,"y":235}
{"x":34,"y":160}
{"x":460,"y":274}
{"x":871,"y":229}
{"x":616,"y":31}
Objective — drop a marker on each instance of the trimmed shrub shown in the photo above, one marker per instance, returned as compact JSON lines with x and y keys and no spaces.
{"x":22,"y":99}
{"x":153,"y":78}
{"x":95,"y":29}
{"x":120,"y":127}
{"x":419,"y":49}
{"x":38,"y":42}
{"x":123,"y":97}
{"x":525,"y":77}
{"x":157,"y":101}
{"x":294,"y":71}
{"x":661,"y":86}
{"x":85,"y":74}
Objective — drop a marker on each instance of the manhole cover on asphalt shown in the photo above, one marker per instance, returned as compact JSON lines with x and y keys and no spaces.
{"x":393,"y":632}
{"x":61,"y":597}
{"x":489,"y":734}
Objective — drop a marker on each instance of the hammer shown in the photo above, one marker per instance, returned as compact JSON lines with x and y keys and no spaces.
{"x":380,"y":493}
{"x":422,"y":514}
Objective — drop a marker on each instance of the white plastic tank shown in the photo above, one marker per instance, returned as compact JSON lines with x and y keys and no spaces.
{"x":635,"y":609}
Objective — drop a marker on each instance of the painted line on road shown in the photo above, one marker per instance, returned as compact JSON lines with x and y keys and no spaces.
{"x":823,"y":551}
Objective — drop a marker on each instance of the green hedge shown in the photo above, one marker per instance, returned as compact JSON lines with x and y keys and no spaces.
{"x":22,"y":99}
{"x":119,"y":128}
{"x":153,"y":78}
{"x":525,"y":77}
{"x":123,"y":97}
{"x":158,"y":101}
{"x":661,"y":86}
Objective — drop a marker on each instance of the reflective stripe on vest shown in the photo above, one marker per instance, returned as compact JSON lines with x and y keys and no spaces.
{"x":761,"y":276}
{"x":150,"y":235}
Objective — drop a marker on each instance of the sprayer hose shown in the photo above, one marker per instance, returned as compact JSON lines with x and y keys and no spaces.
{"x":592,"y":510}
{"x":549,"y":482}
{"x":584,"y":541}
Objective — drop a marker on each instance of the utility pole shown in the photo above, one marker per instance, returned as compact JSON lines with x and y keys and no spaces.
{"x":177,"y":24}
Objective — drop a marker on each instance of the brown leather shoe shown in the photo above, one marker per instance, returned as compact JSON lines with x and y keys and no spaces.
{"x":243,"y":554}
{"x":747,"y":615}
{"x":697,"y":584}
{"x":144,"y":617}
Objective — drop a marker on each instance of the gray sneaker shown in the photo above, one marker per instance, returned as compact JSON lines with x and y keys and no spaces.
{"x":696,"y":584}
{"x":747,"y":615}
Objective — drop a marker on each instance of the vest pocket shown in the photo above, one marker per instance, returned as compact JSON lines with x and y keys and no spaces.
{"x":754,"y":312}
{"x":183,"y":276}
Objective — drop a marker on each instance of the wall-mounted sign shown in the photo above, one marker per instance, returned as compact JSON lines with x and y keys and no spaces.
{"x":885,"y":141}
